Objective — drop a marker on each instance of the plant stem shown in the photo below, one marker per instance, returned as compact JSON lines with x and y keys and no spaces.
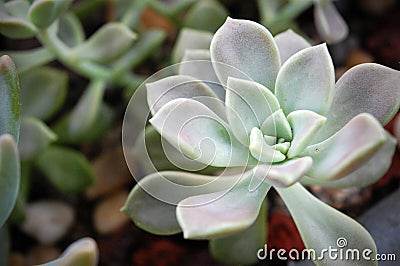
{"x":88,"y":69}
{"x":288,"y":13}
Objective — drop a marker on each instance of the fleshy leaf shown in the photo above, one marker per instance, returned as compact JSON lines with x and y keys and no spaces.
{"x":366,"y":174}
{"x":248,"y":47}
{"x":261,"y":151}
{"x":35,"y":136}
{"x":202,"y":69}
{"x":345,"y":151}
{"x":289,"y":43}
{"x":42,"y":13}
{"x":27,"y":59}
{"x":283,"y":174}
{"x":248,"y":104}
{"x":17,"y":8}
{"x":304,"y":125}
{"x":83,"y":252}
{"x":84,"y":114}
{"x":9,"y":98}
{"x":199,"y":133}
{"x":106,"y":44}
{"x":71,"y":30}
{"x":306,"y":81}
{"x":43,"y":91}
{"x":277,"y":125}
{"x":330,"y":24}
{"x":9,"y":176}
{"x":206,"y":15}
{"x":366,"y":88}
{"x":68,"y":170}
{"x":242,"y":248}
{"x":150,"y":41}
{"x":16,"y":28}
{"x":221,"y":214}
{"x":162,"y":156}
{"x":171,"y":8}
{"x":99,"y":125}
{"x":321,"y":227}
{"x":159,"y":193}
{"x":190,"y":39}
{"x":173,"y":87}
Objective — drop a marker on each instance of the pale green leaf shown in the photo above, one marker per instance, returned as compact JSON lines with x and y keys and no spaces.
{"x":9,"y":176}
{"x":306,"y":81}
{"x":190,"y":39}
{"x":366,"y":88}
{"x":43,"y":91}
{"x":43,"y":13}
{"x":206,"y":15}
{"x":35,"y":136}
{"x":248,"y":47}
{"x":242,"y":248}
{"x":221,"y":214}
{"x":159,"y":193}
{"x":248,"y":104}
{"x":66,"y":169}
{"x":9,"y":98}
{"x":106,"y":44}
{"x":16,"y":28}
{"x":195,"y":130}
{"x":322,"y":227}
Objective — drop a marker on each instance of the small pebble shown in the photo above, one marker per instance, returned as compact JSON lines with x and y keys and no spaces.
{"x":358,"y":56}
{"x":111,"y":173}
{"x":42,"y":254}
{"x":16,"y":259}
{"x":152,"y":19}
{"x":107,"y":216}
{"x":48,"y":221}
{"x":377,"y":7}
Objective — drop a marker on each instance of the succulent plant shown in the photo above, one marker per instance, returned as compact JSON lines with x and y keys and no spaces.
{"x":266,"y":111}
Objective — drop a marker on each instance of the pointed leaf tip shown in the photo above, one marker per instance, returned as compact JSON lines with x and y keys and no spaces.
{"x":247,"y":48}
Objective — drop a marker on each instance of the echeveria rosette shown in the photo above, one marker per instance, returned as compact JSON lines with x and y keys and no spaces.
{"x":285,"y":122}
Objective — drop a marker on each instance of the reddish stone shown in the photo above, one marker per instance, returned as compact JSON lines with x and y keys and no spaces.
{"x":283,"y":233}
{"x":159,"y":253}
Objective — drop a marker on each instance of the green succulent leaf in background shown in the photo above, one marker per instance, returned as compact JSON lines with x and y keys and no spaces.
{"x":42,"y":13}
{"x":9,"y":176}
{"x":206,"y":15}
{"x":66,"y":169}
{"x":9,"y":98}
{"x":15,"y":27}
{"x":107,"y":44}
{"x":35,"y":136}
{"x":43,"y":92}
